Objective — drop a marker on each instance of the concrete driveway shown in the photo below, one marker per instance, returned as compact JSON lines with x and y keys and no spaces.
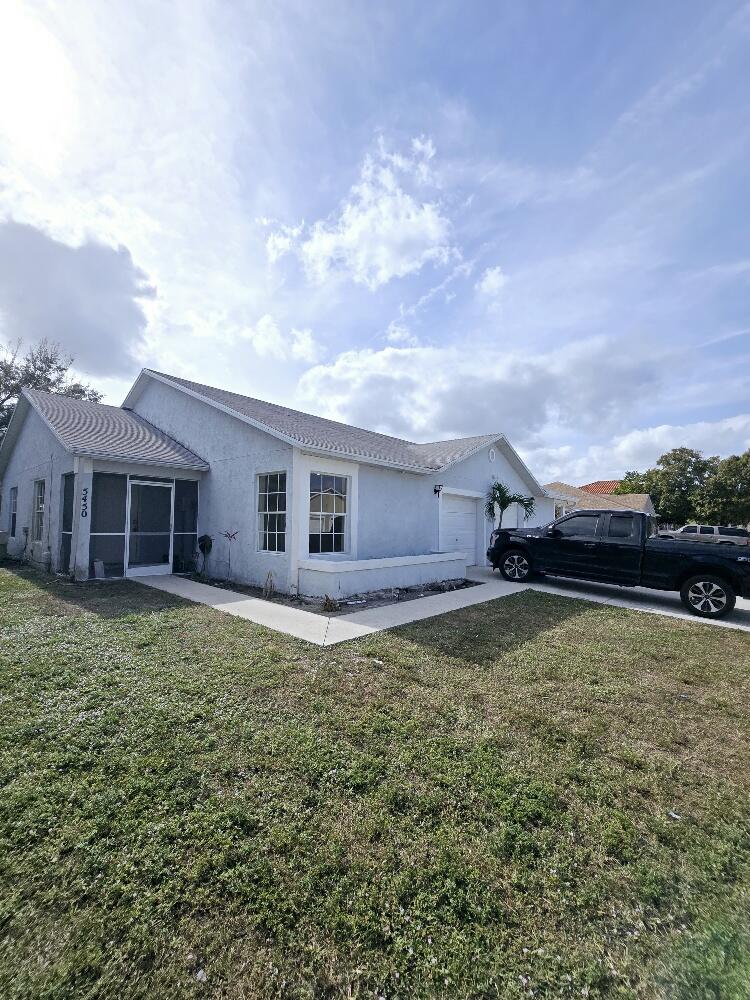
{"x":637,"y":598}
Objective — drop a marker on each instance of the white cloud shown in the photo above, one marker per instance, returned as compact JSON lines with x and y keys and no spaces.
{"x":268,"y":342}
{"x":383,"y":230}
{"x":639,"y":449}
{"x":492,"y":282}
{"x":397,"y":334}
{"x":304,"y":347}
{"x":282,"y":241}
{"x":431,"y":392}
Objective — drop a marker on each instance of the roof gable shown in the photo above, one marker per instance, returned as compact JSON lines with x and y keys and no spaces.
{"x":96,"y":430}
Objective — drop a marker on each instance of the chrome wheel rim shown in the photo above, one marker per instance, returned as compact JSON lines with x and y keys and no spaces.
{"x":516,"y":567}
{"x":707,"y":597}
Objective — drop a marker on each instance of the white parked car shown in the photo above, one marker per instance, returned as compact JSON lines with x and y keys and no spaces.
{"x":718,"y":533}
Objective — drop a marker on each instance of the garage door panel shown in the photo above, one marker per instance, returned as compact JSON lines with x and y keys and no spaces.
{"x":458,"y":526}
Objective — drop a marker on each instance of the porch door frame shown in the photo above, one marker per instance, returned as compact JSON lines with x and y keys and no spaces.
{"x":162,"y":569}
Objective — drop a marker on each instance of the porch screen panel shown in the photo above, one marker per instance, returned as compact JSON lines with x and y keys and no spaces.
{"x":150,"y":524}
{"x":108,"y":503}
{"x":185,"y":526}
{"x":108,"y":506}
{"x":66,"y":527}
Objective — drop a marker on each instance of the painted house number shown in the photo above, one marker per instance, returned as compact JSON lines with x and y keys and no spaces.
{"x":85,"y":502}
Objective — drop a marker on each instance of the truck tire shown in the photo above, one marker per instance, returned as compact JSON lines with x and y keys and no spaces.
{"x":515,"y":565}
{"x":708,"y":596}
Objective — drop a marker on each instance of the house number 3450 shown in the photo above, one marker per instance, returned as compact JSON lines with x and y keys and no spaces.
{"x":85,"y":502}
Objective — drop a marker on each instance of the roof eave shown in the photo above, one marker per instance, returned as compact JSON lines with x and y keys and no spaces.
{"x":104,"y":457}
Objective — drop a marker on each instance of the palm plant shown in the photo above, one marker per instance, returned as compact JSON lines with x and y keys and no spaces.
{"x":498,"y":498}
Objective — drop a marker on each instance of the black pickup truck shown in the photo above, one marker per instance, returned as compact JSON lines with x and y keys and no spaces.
{"x":623,"y":547}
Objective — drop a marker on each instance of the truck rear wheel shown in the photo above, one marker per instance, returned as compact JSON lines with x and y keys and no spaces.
{"x":708,"y":596}
{"x":515,"y":565}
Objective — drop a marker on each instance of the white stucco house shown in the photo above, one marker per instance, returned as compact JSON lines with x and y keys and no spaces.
{"x":324,"y":508}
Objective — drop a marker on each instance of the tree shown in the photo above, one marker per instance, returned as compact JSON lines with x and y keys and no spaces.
{"x":682,"y":473}
{"x":724,"y":497}
{"x":499,"y":498}
{"x":676,"y":484}
{"x":43,"y":367}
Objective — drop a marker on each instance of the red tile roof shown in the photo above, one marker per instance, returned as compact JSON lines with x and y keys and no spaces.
{"x":601,"y":486}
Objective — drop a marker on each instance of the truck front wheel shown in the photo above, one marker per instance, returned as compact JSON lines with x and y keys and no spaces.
{"x":515,"y":565}
{"x":708,"y":596}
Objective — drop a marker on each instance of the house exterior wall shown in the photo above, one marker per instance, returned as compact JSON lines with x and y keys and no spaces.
{"x":237,"y":453}
{"x":399,"y":513}
{"x":37,"y":454}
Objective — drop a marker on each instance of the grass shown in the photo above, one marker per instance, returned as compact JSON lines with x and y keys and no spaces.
{"x":533,"y":797}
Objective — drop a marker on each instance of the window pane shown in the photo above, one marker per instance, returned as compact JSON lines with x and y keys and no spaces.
{"x":108,"y":503}
{"x":111,"y":550}
{"x":620,"y":527}
{"x":186,"y":506}
{"x":690,"y":529}
{"x":315,"y":482}
{"x":581,"y":524}
{"x":707,"y":531}
{"x":314,"y":545}
{"x":12,"y":510}
{"x":328,"y":484}
{"x":271,"y":507}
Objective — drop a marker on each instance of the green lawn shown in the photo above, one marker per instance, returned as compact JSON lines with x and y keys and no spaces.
{"x":533,"y":797}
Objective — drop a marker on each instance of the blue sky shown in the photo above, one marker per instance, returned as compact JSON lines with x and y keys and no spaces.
{"x":429,"y":219}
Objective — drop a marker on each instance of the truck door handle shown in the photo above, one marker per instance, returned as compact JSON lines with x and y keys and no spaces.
{"x":589,"y":545}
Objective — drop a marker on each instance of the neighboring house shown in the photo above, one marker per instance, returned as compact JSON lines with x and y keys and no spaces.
{"x":601,"y":486}
{"x":567,"y":498}
{"x":317,"y":506}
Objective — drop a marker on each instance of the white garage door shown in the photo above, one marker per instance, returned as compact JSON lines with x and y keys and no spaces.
{"x":458,"y":526}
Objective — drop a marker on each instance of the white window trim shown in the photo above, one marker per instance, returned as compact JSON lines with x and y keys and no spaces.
{"x":38,"y":511}
{"x":320,"y":471}
{"x":259,"y":513}
{"x":13,"y":511}
{"x":303,"y":463}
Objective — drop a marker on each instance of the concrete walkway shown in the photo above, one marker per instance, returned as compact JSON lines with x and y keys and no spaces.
{"x":325,"y":631}
{"x":319,"y":629}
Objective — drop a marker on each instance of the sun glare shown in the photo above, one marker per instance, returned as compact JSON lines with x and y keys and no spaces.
{"x":37,"y":91}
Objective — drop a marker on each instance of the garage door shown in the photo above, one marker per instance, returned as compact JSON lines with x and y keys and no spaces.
{"x":458,"y":526}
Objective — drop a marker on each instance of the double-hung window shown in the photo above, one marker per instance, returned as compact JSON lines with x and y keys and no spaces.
{"x":38,"y":513}
{"x":328,"y":512}
{"x":12,"y":511}
{"x":272,"y":512}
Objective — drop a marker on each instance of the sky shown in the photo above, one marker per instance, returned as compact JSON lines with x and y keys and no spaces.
{"x":432,"y":220}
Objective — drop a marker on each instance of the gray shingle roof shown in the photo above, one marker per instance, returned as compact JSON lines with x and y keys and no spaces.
{"x":320,"y":434}
{"x":109,"y":432}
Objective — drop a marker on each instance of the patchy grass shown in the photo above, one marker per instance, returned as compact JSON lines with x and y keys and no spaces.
{"x":534,"y":797}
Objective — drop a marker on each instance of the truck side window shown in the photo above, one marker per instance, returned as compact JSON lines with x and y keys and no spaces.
{"x":706,"y":531}
{"x":689,"y":529}
{"x":620,"y":526}
{"x":579,"y":524}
